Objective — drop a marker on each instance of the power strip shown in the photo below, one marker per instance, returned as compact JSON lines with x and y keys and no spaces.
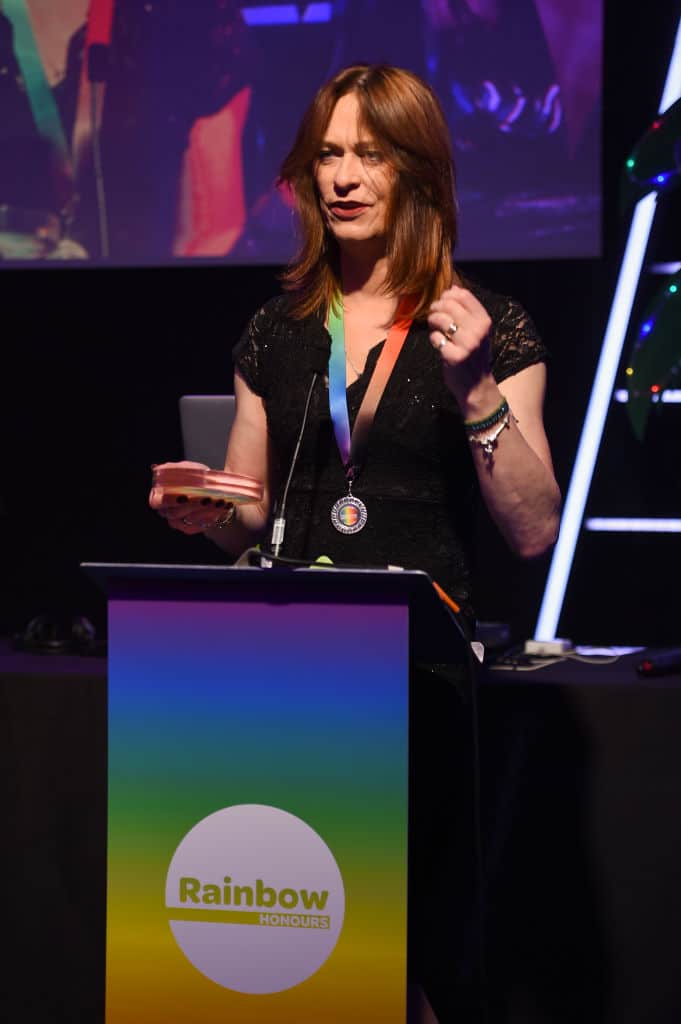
{"x":548,"y":648}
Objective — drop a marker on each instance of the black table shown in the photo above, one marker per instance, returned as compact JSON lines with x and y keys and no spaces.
{"x":581,"y":777}
{"x":53,"y":772}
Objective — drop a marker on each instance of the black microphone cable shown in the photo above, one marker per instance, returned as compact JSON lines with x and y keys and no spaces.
{"x":279,"y":525}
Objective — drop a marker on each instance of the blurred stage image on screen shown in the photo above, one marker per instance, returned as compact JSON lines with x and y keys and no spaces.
{"x":138,"y":133}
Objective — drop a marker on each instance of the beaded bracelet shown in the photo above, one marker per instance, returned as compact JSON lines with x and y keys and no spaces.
{"x":476,"y":426}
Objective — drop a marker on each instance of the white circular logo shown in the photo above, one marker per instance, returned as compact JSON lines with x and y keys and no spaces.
{"x":256,"y":899}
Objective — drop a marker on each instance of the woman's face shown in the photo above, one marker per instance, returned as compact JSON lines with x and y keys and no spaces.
{"x":354,"y":180}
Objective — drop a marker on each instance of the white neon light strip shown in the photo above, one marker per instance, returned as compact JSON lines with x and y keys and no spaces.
{"x":672,"y":85}
{"x":611,"y":352}
{"x":664,"y":268}
{"x":592,"y":431}
{"x":605,"y":524}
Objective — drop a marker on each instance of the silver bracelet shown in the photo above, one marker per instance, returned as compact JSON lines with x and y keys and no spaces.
{"x":490,"y":441}
{"x":226,"y":518}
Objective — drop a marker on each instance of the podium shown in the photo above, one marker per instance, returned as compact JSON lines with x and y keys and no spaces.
{"x":258,"y":790}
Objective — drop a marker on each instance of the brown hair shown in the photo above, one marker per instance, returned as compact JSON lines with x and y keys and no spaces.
{"x":402,"y":113}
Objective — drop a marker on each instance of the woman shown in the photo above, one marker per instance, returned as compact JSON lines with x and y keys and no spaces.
{"x":457,"y":372}
{"x":372,"y":176}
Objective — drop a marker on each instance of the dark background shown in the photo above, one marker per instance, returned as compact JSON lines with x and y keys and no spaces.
{"x":95,"y":361}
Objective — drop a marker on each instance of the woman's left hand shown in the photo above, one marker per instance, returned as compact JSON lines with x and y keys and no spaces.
{"x":517,"y":482}
{"x":460,"y":327}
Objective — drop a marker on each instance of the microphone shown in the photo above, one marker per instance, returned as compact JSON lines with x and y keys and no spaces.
{"x":318,"y":354}
{"x":279,"y":525}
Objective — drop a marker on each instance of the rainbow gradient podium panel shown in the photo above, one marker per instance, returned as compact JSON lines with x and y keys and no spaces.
{"x":257,"y":792}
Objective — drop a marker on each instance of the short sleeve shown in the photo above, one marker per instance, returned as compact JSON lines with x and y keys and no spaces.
{"x":249,"y":352}
{"x":515,"y":341}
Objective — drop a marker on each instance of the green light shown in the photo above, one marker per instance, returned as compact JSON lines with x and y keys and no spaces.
{"x":630,"y":162}
{"x":673,"y":288}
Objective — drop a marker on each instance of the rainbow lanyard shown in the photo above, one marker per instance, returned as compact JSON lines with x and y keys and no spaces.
{"x":352,"y":445}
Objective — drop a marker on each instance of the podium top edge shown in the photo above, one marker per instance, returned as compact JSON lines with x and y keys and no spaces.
{"x":155,"y":570}
{"x":414,"y":587}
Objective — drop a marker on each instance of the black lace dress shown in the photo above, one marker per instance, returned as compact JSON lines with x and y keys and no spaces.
{"x":418,"y":481}
{"x":420,"y":488}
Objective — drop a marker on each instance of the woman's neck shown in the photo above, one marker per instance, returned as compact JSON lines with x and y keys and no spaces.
{"x":364,"y":287}
{"x":363,"y":269}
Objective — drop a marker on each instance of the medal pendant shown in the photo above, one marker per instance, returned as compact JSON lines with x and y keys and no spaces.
{"x":349,"y":514}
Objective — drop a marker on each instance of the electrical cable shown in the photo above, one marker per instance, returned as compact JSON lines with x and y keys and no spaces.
{"x":517,"y":660}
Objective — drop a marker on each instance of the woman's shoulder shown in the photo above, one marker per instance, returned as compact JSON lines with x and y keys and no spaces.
{"x":273,"y":313}
{"x":252,"y":352}
{"x":276,"y":343}
{"x":277,"y":317}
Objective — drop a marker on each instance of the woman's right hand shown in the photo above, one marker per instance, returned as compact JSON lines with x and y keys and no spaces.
{"x":186,"y":513}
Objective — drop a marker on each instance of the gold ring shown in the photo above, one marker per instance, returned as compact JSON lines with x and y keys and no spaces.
{"x":451,"y":330}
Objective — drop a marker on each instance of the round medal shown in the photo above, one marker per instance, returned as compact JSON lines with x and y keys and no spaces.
{"x":349,"y":514}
